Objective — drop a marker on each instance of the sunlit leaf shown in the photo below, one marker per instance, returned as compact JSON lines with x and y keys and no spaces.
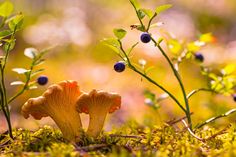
{"x":31,"y":52}
{"x":119,"y":33}
{"x":213,"y":76}
{"x":174,"y":46}
{"x":148,"y":12}
{"x":20,"y":70}
{"x":112,"y":43}
{"x":229,"y":69}
{"x":189,"y":55}
{"x":17,"y":83}
{"x":207,"y":38}
{"x":162,"y":8}
{"x":5,"y":33}
{"x":38,"y":62}
{"x":33,"y":87}
{"x":141,"y":14}
{"x":6,"y":8}
{"x":36,"y":72}
{"x":9,"y":45}
{"x":192,"y":47}
{"x":162,"y":97}
{"x":135,"y":3}
{"x":16,"y":22}
{"x":150,"y":95}
{"x":157,"y":24}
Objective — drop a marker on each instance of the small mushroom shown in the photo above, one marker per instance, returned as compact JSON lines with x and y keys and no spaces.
{"x":59,"y":103}
{"x":97,"y":104}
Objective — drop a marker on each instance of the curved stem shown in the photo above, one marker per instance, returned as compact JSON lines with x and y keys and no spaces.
{"x":150,"y":21}
{"x":180,"y":82}
{"x":198,"y":90}
{"x":3,"y":87}
{"x":148,"y":78}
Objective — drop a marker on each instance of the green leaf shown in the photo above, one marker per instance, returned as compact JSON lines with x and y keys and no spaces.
{"x":148,"y":12}
{"x":5,"y":33}
{"x":229,"y":69}
{"x":31,"y":52}
{"x":16,"y":83}
{"x":32,"y":85}
{"x":36,"y":72}
{"x":135,"y":3}
{"x":38,"y":62}
{"x":141,"y":14}
{"x":174,"y":46}
{"x":20,"y":70}
{"x":119,"y":33}
{"x":16,"y":22}
{"x":192,"y":47}
{"x":150,"y":95}
{"x":9,"y":45}
{"x":6,"y":8}
{"x":162,"y":8}
{"x":207,"y":38}
{"x":112,"y":43}
{"x":158,"y":24}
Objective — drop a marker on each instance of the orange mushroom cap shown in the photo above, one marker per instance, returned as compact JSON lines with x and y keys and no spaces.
{"x":97,"y":104}
{"x":59,"y":103}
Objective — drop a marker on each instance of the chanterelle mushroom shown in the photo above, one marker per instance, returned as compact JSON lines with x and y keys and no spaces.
{"x":58,"y":102}
{"x":97,"y":104}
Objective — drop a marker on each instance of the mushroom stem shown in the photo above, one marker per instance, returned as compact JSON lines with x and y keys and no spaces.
{"x":69,"y":130}
{"x":96,"y":122}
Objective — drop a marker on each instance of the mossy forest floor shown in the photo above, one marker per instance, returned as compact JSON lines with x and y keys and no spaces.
{"x":131,"y":140}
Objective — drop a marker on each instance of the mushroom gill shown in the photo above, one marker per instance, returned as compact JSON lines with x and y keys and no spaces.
{"x":97,"y":104}
{"x":59,"y":103}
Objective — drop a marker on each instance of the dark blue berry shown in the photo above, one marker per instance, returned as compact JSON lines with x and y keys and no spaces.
{"x":119,"y":66}
{"x":234,"y":97}
{"x":42,"y":80}
{"x":199,"y":57}
{"x":145,"y":37}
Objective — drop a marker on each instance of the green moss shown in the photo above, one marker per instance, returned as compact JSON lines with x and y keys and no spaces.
{"x":131,"y":139}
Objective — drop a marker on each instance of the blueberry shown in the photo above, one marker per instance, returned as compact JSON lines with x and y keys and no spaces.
{"x":145,"y":37}
{"x":199,"y":57}
{"x":42,"y":80}
{"x":234,"y":97}
{"x":119,"y":66}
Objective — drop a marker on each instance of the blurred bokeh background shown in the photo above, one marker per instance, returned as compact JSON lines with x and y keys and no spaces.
{"x":76,"y":28}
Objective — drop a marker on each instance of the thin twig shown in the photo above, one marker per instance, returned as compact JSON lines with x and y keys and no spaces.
{"x":198,"y":90}
{"x":172,"y":122}
{"x":219,"y":133}
{"x":215,"y":118}
{"x":191,"y":133}
{"x":126,"y":136}
{"x":91,"y":147}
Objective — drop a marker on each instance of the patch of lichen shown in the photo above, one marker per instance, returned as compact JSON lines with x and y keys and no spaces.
{"x":132,"y":139}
